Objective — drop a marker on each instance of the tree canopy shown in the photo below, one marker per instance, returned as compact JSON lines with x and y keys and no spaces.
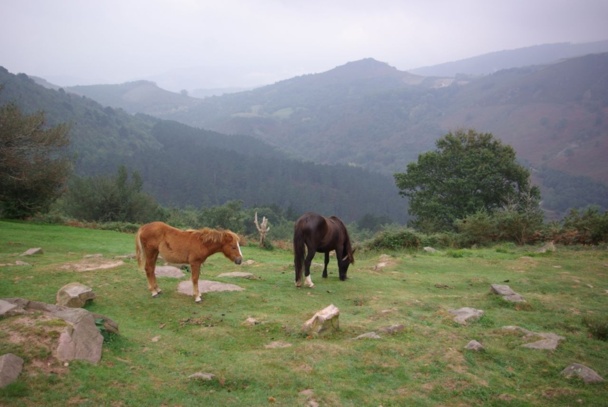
{"x":469,"y":172}
{"x":33,"y":164}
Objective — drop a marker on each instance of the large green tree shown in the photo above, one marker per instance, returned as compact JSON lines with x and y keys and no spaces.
{"x":467,"y":173}
{"x":33,"y":163}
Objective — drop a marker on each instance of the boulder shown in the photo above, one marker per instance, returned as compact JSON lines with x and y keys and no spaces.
{"x":81,"y":338}
{"x":10,"y":368}
{"x":74,"y":295}
{"x":323,"y":321}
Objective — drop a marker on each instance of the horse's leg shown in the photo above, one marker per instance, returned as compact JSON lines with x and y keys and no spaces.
{"x":195,"y":268}
{"x":339,"y":257}
{"x":326,"y":263}
{"x":298,"y":268}
{"x":309,"y":256}
{"x":150,"y":268}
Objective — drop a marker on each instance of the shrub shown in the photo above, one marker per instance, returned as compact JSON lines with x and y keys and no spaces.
{"x":598,"y":326}
{"x":396,"y":240}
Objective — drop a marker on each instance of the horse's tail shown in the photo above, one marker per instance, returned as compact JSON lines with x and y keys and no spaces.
{"x":298,"y":252}
{"x":139,"y":251}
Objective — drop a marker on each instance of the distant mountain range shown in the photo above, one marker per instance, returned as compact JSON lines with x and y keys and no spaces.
{"x":516,"y":58}
{"x":369,"y":115}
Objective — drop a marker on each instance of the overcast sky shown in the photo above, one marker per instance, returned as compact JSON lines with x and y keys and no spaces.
{"x":232,"y":43}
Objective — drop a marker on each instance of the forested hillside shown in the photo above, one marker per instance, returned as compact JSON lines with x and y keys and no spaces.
{"x":183,"y":166}
{"x":368,"y":114}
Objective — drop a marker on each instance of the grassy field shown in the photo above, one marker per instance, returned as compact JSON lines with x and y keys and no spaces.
{"x":163,"y":341}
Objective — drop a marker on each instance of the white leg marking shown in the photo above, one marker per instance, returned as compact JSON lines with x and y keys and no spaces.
{"x":198,"y":299}
{"x":309,"y":282}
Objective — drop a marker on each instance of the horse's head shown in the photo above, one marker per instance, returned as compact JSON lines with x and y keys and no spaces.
{"x":231,"y":247}
{"x":346,"y":261}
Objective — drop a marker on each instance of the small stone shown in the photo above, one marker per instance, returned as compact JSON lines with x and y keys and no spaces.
{"x":392,"y":329}
{"x":463,"y":315}
{"x":369,"y":335}
{"x":33,"y":251}
{"x":202,"y":376}
{"x":277,"y":345}
{"x":588,"y":375}
{"x":238,"y":274}
{"x":474,"y":345}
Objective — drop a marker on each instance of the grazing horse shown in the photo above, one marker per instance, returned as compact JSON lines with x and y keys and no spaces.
{"x":182,"y":247}
{"x":320,"y":234}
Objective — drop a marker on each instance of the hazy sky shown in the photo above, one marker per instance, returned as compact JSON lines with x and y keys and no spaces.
{"x":224,"y":43}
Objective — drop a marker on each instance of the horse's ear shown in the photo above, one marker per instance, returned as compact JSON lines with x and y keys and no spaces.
{"x":230,"y":237}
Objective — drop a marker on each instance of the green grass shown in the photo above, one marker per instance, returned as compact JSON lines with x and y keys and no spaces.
{"x":423,"y":365}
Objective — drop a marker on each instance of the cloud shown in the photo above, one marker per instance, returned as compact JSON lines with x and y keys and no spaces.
{"x":242,"y":41}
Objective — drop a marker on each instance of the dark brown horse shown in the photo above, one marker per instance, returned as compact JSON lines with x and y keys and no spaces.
{"x":182,"y":247}
{"x":315,"y":233}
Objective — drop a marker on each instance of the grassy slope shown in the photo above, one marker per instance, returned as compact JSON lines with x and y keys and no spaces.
{"x":425,"y":364}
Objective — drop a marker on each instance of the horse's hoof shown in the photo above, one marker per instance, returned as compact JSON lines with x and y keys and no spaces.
{"x":198,"y":300}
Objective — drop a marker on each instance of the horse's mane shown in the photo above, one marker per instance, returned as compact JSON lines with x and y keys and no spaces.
{"x":209,"y":235}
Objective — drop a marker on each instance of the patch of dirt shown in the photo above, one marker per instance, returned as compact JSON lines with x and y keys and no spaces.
{"x":37,"y":335}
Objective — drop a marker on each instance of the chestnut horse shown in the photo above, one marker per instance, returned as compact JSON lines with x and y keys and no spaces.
{"x":317,"y":233}
{"x":182,"y":247}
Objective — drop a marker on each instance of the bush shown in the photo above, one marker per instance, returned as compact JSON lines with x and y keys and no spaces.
{"x":396,"y":240}
{"x":586,"y":227}
{"x":477,"y":229}
{"x":598,"y":326}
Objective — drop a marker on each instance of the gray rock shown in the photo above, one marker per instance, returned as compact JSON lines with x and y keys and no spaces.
{"x":238,"y":274}
{"x":326,"y":320}
{"x":392,"y":329}
{"x":81,"y":338}
{"x":206,"y":286}
{"x":465,"y":314}
{"x":506,"y":292}
{"x":33,"y":251}
{"x":10,"y":368}
{"x":588,"y":375}
{"x":369,"y":335}
{"x":8,"y":309}
{"x":74,"y":295}
{"x":548,"y":340}
{"x":169,"y":271}
{"x":202,"y":376}
{"x":474,"y":345}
